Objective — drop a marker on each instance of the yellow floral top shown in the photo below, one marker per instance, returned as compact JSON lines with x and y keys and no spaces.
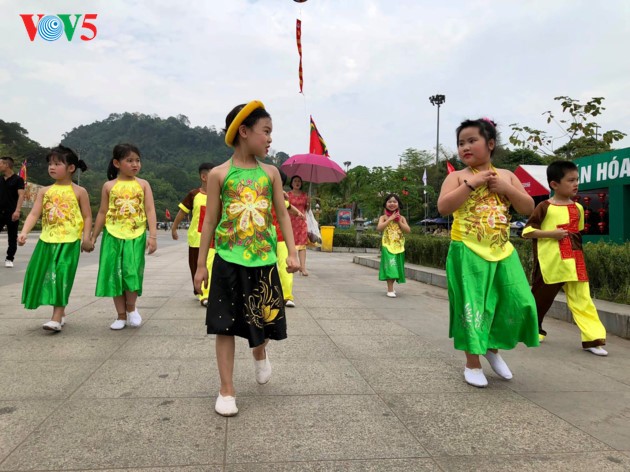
{"x":246,"y":235}
{"x":125,"y":217}
{"x":62,"y":221}
{"x":482,"y":223}
{"x":393,"y":239}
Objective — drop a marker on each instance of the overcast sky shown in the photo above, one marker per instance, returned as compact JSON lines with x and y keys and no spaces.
{"x":369,"y":66}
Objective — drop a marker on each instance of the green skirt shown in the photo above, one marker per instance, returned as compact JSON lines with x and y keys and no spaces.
{"x":50,"y":274}
{"x":392,"y":266}
{"x":491,"y":305}
{"x":121,"y":265}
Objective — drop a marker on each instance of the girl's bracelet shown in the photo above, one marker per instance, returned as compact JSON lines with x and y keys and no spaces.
{"x":152,"y":237}
{"x":469,"y":186}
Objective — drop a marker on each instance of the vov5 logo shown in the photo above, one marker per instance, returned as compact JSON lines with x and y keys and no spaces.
{"x":51,"y":27}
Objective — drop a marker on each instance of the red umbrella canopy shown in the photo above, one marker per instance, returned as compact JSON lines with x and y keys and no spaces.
{"x":314,"y":168}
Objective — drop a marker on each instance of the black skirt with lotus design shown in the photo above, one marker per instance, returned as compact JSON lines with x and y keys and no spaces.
{"x":246,"y":302}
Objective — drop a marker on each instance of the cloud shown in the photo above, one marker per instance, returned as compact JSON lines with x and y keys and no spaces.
{"x":369,"y":66}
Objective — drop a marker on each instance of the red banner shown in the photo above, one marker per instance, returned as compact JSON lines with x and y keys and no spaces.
{"x":449,"y":167}
{"x":317,"y":145}
{"x":167,"y":214}
{"x":298,"y":37}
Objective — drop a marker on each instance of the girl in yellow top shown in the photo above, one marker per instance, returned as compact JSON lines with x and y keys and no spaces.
{"x":491,"y":306}
{"x":393,"y":225}
{"x":126,"y":209}
{"x":66,"y":220}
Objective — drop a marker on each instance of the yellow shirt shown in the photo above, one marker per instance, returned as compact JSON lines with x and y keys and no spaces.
{"x":482,"y":223}
{"x":558,"y":261}
{"x":125,"y":217}
{"x":62,"y":221}
{"x":393,"y":239}
{"x":195,"y":201}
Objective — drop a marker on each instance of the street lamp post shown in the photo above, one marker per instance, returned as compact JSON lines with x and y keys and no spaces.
{"x":437,"y":100}
{"x":347,"y":164}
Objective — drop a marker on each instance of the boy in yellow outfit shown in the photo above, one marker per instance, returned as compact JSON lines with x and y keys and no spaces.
{"x":195,"y":202}
{"x":555,"y":228}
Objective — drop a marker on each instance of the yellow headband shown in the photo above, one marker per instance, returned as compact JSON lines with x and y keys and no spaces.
{"x":238,"y":120}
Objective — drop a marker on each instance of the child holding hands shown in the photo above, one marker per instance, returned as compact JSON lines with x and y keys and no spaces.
{"x":127,"y":208}
{"x":66,"y":223}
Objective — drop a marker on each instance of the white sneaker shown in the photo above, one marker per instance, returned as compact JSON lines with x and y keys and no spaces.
{"x":290,"y":303}
{"x":8,"y":263}
{"x":598,"y":351}
{"x":226,"y":406}
{"x":391,"y":294}
{"x":498,"y":365}
{"x":263,"y":369}
{"x":134,"y":319}
{"x":63,"y":321}
{"x":475,"y":377}
{"x":52,"y":326}
{"x":118,"y":324}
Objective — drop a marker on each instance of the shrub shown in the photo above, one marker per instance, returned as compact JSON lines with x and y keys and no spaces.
{"x":608,"y":265}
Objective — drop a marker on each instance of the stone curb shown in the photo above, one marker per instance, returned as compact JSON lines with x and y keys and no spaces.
{"x":614,"y":316}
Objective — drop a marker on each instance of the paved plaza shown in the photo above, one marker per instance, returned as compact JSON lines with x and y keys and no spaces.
{"x":363,"y":383}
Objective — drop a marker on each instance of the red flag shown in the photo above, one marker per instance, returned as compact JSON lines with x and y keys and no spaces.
{"x":449,"y":167}
{"x":318,"y":145}
{"x":298,"y":38}
{"x":22,"y":172}
{"x":167,"y":214}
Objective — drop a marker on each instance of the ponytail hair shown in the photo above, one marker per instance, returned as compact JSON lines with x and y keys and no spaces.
{"x":119,"y":153}
{"x":66,"y":156}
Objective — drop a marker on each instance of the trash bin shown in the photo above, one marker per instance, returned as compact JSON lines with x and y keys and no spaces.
{"x":327,"y":238}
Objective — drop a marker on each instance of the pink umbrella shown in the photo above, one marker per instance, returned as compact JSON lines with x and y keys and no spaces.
{"x":314,"y":168}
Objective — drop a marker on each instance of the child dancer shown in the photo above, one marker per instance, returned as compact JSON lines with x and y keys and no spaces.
{"x":555,"y":228}
{"x":66,"y":219}
{"x":392,"y":224}
{"x":246,"y":298}
{"x":286,"y":279}
{"x":491,"y":306}
{"x":195,"y":202}
{"x":126,"y":209}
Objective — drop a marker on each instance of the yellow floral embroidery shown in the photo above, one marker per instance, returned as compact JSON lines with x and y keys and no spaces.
{"x":269,"y":313}
{"x":247,"y":211}
{"x":393,"y":238}
{"x":61,"y":217}
{"x":126,"y":218}
{"x":127,"y":205}
{"x":248,"y":215}
{"x":263,"y":305}
{"x":484,"y":206}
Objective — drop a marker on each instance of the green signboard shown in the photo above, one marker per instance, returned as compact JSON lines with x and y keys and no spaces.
{"x":605,"y":195}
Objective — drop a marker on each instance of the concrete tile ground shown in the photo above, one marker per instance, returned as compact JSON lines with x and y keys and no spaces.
{"x":363,"y":383}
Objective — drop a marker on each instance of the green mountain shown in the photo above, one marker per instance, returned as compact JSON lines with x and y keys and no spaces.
{"x":171,"y":152}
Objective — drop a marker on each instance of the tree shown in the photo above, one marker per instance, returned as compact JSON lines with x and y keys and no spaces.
{"x":579,"y":124}
{"x":512,"y":159}
{"x":581,"y":147}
